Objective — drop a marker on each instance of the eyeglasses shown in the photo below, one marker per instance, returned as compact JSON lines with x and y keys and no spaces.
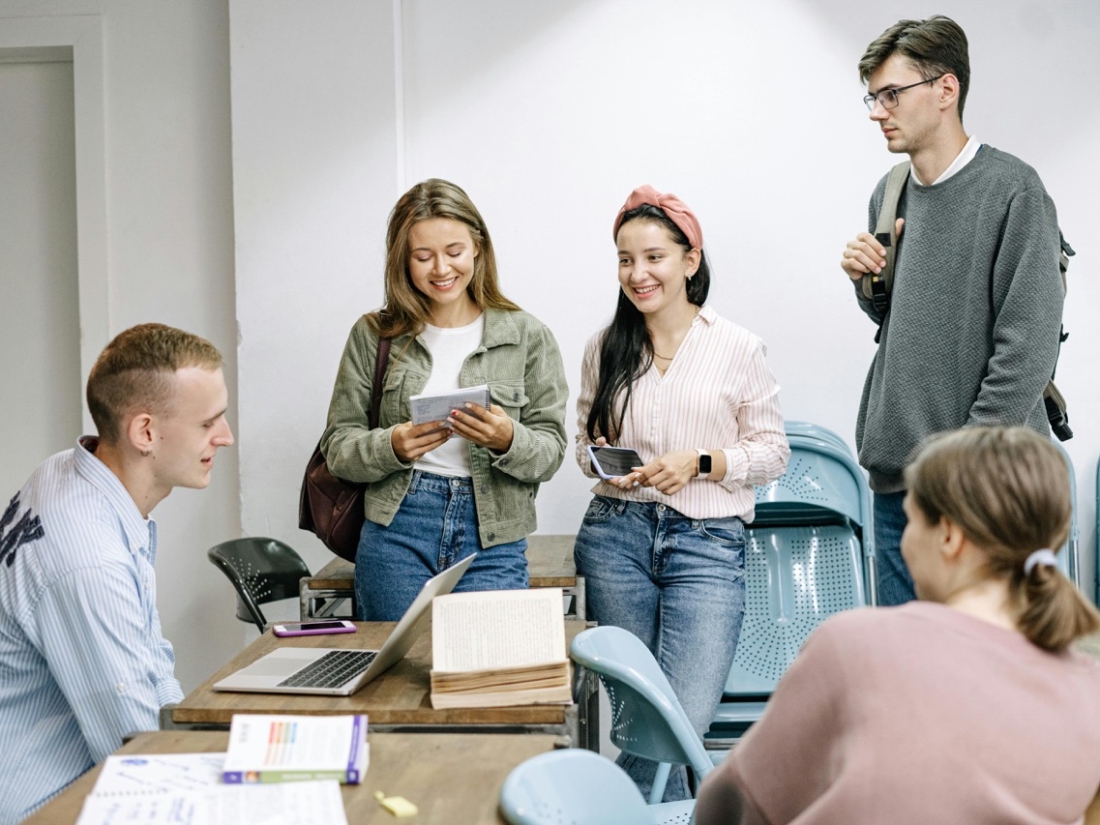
{"x":888,"y":98}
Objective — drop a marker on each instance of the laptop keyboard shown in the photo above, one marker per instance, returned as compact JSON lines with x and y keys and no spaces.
{"x":332,"y":670}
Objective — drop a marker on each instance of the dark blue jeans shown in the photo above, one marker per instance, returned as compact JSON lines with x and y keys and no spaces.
{"x":676,"y":583}
{"x":895,"y":584}
{"x":435,"y":528}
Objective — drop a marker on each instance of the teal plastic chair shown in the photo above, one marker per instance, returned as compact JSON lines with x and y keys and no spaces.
{"x":646,"y":717}
{"x":578,"y":787}
{"x":807,"y":430}
{"x":262,"y":570}
{"x":809,"y":554}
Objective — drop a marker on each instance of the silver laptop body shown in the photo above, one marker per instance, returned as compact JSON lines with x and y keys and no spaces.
{"x":269,"y":673}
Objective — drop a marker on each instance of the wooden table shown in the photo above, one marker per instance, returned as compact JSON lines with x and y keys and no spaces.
{"x":398,"y":700}
{"x":452,"y":778}
{"x":549,"y":564}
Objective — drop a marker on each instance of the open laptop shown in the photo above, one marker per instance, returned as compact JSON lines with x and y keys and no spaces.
{"x":342,"y":671}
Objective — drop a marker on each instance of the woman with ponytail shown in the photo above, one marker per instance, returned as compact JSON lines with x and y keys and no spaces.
{"x":966,"y":706}
{"x":663,"y":546}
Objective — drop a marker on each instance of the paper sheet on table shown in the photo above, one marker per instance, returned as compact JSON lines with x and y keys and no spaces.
{"x":296,"y":803}
{"x":145,"y":773}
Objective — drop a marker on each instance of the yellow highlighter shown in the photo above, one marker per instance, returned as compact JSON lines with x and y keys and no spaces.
{"x":396,"y":805}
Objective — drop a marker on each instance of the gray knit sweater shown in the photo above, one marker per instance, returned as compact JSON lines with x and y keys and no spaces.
{"x":971,"y":335}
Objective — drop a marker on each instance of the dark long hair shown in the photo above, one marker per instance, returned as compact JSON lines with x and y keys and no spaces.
{"x":626,"y":350}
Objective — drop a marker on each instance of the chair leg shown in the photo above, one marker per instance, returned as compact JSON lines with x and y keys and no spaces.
{"x":660,"y":779}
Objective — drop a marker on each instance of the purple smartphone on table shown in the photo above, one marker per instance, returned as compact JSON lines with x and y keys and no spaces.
{"x":312,"y":628}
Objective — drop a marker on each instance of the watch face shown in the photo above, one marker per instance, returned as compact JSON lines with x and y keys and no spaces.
{"x":704,"y":465}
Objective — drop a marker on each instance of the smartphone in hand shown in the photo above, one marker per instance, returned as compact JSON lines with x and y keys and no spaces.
{"x":312,"y":628}
{"x":612,"y":462}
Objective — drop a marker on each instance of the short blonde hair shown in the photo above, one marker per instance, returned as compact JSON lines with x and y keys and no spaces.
{"x":1008,"y":490}
{"x":133,"y":373}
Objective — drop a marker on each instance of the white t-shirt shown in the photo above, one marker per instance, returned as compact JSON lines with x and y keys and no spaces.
{"x":449,"y":348}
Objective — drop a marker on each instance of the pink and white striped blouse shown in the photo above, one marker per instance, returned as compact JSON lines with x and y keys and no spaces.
{"x":717,"y":391}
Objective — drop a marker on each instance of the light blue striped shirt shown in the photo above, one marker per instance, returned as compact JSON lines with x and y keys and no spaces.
{"x":82,"y":658}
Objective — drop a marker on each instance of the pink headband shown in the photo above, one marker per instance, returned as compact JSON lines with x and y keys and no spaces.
{"x":671,"y":205}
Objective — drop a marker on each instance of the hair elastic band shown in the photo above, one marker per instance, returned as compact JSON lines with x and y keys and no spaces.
{"x":1043,"y":557}
{"x":676,"y":210}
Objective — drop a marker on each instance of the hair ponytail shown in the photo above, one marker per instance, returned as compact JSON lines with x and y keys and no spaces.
{"x":1008,"y":489}
{"x":1052,"y":610}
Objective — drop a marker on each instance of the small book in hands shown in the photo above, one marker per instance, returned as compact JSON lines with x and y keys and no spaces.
{"x":295,"y":748}
{"x":438,"y":406}
{"x":498,"y":648}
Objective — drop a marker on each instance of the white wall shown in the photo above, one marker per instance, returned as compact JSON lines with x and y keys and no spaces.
{"x":170,"y":259}
{"x":548,"y":115}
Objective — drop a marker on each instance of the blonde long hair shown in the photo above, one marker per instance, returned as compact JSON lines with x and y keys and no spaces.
{"x":1008,"y":490}
{"x":407,"y":310}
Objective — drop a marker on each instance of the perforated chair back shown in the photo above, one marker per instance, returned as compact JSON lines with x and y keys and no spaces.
{"x":262,"y":570}
{"x":578,"y":787}
{"x":646,"y":717}
{"x":808,"y":555}
{"x":822,"y":483}
{"x":796,"y":577}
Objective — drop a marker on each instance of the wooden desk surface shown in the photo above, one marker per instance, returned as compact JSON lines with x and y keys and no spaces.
{"x":400,"y":696}
{"x":452,"y":778}
{"x":549,"y":564}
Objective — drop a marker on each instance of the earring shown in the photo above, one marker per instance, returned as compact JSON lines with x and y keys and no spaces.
{"x":146,"y":453}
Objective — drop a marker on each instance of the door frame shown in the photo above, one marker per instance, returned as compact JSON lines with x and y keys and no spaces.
{"x":78,"y":38}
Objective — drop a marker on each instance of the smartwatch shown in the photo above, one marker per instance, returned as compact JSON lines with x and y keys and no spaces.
{"x":704,"y":462}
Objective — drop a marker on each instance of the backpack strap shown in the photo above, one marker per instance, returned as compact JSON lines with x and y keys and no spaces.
{"x":876,"y":287}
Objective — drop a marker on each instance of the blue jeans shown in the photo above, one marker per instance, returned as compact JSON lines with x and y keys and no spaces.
{"x":435,"y":527}
{"x":895,"y":584}
{"x":676,"y":583}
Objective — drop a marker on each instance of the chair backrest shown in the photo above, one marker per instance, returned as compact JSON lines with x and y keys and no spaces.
{"x":571,"y":787}
{"x":808,"y":430}
{"x":808,"y":555}
{"x":796,"y":577}
{"x":262,"y":570}
{"x":822,"y":482}
{"x":646,"y":717}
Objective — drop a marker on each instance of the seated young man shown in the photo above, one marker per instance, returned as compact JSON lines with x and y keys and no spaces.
{"x":82,"y":658}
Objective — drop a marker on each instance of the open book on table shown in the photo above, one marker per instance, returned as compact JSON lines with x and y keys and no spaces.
{"x":498,"y":648}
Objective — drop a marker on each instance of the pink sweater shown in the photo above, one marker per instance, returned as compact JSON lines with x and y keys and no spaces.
{"x":918,"y":714}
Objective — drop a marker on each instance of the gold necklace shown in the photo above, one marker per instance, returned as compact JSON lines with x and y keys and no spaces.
{"x":662,"y":357}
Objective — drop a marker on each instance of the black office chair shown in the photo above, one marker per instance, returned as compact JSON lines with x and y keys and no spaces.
{"x":262,"y":570}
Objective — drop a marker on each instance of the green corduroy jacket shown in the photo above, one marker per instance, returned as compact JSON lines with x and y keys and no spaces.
{"x":518,"y":358}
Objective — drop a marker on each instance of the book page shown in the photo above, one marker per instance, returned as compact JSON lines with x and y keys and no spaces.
{"x":437,"y":407}
{"x":296,"y":803}
{"x":497,"y":629}
{"x":144,"y":773}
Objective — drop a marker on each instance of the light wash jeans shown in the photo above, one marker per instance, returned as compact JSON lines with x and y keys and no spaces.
{"x":435,"y":527}
{"x":895,"y":584}
{"x":676,"y":583}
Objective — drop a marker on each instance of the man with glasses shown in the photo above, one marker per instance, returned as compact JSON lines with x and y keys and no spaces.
{"x":971,"y":332}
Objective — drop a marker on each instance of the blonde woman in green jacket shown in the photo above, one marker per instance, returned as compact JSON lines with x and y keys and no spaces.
{"x":439,"y":491}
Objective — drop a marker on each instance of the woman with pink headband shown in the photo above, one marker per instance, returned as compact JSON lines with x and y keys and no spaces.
{"x":966,"y":706}
{"x":663,"y":546}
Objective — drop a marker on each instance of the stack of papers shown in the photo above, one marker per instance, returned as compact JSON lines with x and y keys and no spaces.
{"x":184,"y":789}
